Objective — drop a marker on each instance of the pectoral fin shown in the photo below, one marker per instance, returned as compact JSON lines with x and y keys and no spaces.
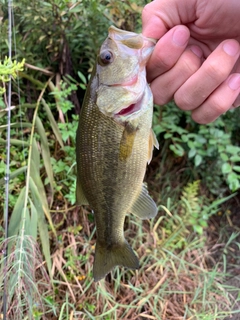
{"x":80,"y":196}
{"x":152,"y":143}
{"x":144,"y":207}
{"x":127,"y":141}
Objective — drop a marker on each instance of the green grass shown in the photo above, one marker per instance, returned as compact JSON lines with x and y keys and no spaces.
{"x":178,"y":276}
{"x":172,"y":282}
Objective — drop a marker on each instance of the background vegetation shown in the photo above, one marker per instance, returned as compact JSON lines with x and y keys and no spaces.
{"x":187,"y":254}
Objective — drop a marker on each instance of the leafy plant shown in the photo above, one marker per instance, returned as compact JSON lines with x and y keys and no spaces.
{"x":212,"y":148}
{"x":195,"y":209}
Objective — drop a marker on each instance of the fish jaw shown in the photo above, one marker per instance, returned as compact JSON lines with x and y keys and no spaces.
{"x":125,"y":103}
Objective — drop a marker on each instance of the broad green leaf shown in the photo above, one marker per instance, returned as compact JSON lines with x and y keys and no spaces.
{"x":191,"y":144}
{"x":200,"y":139}
{"x":212,"y":141}
{"x":82,"y":77}
{"x":184,"y":137}
{"x":234,"y":184}
{"x":226,"y":168}
{"x":236,"y":168}
{"x":198,"y":229}
{"x":167,"y":135}
{"x":224,"y":156}
{"x":235,"y":158}
{"x":197,"y":160}
{"x":177,"y":149}
{"x":233,"y":149}
{"x":192,"y":153}
{"x":233,"y":181}
{"x":232,"y":176}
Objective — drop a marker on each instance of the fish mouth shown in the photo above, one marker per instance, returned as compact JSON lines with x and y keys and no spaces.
{"x":133,"y":108}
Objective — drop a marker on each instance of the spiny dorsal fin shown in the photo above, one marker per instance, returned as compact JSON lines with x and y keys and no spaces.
{"x":80,"y":196}
{"x":152,"y":143}
{"x":144,"y":207}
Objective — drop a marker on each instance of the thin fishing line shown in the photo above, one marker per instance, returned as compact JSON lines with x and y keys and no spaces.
{"x":7,"y":172}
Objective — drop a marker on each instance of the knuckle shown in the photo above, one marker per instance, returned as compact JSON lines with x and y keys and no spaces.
{"x":191,"y":63}
{"x":162,"y":60}
{"x":182,"y":101}
{"x":216,"y":70}
{"x":201,"y":119}
{"x":162,"y":96}
{"x":219,"y":106}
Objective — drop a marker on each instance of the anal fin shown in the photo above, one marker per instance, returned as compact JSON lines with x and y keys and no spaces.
{"x":144,"y":207}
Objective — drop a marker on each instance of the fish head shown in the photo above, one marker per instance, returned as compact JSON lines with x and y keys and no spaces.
{"x":119,"y":85}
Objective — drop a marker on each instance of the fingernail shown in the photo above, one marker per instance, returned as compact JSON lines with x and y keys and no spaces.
{"x":231,"y":47}
{"x":180,"y":37}
{"x":234,"y":82}
{"x":197,"y":51}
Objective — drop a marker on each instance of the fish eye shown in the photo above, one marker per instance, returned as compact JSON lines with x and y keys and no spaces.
{"x":105,"y":57}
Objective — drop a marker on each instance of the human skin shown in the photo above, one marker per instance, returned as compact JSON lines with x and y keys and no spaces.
{"x":196,"y":60}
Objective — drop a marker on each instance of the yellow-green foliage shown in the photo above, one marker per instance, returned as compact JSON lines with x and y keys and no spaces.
{"x":190,"y":197}
{"x":9,"y":68}
{"x":194,"y":215}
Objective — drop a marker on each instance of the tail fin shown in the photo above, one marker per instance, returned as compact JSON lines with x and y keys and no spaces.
{"x":107,"y":258}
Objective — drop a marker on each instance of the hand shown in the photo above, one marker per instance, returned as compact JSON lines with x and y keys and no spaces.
{"x":196,"y":61}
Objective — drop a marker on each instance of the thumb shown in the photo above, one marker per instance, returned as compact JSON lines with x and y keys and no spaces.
{"x":161,"y":15}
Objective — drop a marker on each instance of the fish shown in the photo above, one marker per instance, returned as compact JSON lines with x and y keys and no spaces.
{"x":114,"y":143}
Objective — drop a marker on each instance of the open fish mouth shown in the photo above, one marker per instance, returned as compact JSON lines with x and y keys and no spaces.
{"x":133,"y":108}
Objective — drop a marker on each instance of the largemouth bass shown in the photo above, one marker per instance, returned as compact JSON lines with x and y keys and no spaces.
{"x":114,"y":143}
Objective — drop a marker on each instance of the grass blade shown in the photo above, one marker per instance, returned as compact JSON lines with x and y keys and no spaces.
{"x":45,"y":153}
{"x":53,"y":123}
{"x":14,"y":174}
{"x":16,"y":217}
{"x":31,"y":227}
{"x":42,"y":225}
{"x":40,"y":191}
